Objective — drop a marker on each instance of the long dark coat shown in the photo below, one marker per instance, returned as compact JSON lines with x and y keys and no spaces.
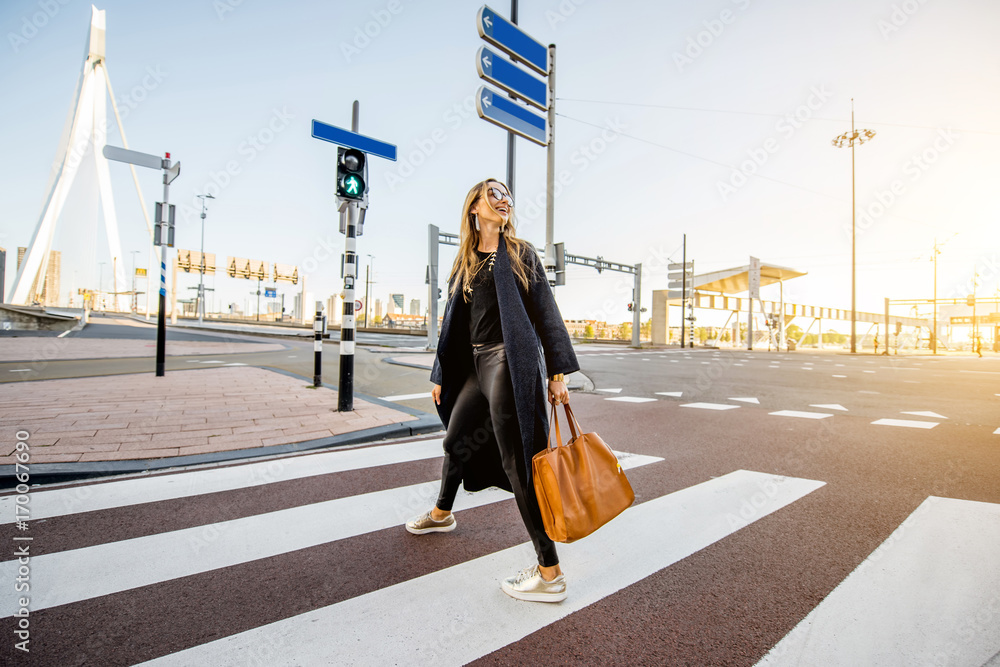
{"x":537,"y":346}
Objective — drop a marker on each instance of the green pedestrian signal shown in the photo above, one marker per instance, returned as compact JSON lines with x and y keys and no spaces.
{"x":352,"y":174}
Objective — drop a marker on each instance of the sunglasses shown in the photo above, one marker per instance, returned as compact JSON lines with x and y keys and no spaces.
{"x":499,"y":195}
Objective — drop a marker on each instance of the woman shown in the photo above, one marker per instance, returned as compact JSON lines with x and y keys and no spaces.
{"x":489,"y":375}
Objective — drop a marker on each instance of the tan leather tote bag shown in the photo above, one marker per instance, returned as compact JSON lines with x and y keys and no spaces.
{"x":580,"y":486}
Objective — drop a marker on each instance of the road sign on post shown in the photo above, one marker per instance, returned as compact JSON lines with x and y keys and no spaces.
{"x":163,"y":234}
{"x":511,"y":116}
{"x":510,"y":77}
{"x":504,"y":35}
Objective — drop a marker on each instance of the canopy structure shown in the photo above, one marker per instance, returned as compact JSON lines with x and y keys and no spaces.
{"x":737,"y":280}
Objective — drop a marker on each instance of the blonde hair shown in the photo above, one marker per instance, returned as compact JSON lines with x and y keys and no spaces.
{"x":467,"y":262}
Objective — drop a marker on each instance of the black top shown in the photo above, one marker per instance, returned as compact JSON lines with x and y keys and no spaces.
{"x":484,"y":322}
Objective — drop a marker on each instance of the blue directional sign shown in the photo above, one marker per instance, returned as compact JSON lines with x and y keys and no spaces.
{"x":270,"y":293}
{"x":504,"y":35}
{"x":348,"y":139}
{"x":498,"y":70}
{"x":511,"y":116}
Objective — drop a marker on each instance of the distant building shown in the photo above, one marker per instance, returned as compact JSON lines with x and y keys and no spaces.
{"x":3,"y":266}
{"x":50,"y":287}
{"x":304,"y":312}
{"x":335,"y":310}
{"x":378,"y":310}
{"x":414,"y":306}
{"x":395,"y":303}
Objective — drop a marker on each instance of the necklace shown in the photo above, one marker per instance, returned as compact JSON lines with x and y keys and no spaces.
{"x":489,"y":258}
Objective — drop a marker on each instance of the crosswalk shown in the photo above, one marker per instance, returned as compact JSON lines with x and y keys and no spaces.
{"x":388,"y":624}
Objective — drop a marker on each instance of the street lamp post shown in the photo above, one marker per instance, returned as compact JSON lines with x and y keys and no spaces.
{"x":371,"y":258}
{"x":850,"y":139}
{"x":201,"y":273}
{"x":100,"y":285}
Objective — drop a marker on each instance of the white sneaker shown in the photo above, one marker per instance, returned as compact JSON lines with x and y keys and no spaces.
{"x":425,"y":524}
{"x":529,"y":585}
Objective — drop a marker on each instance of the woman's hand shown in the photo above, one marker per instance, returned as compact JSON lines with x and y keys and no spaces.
{"x":436,"y":394}
{"x":558,"y":393}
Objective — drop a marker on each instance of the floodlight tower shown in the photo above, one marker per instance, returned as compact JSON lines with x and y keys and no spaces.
{"x":850,"y":139}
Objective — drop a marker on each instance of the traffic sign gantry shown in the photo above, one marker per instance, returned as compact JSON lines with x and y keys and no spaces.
{"x":511,"y":116}
{"x":504,"y":35}
{"x":497,"y":70}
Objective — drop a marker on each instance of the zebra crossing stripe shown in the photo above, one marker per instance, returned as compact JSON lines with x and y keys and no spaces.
{"x":925,"y":596}
{"x":81,"y":574}
{"x":122,"y":493}
{"x":471,"y":617}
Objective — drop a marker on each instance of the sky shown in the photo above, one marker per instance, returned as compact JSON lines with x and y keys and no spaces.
{"x":710,"y":119}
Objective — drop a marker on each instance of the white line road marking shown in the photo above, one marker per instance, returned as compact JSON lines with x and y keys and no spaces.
{"x":996,"y":432}
{"x":234,"y":364}
{"x":803,"y":415}
{"x":63,"y":333}
{"x":925,"y":413}
{"x":135,"y":491}
{"x":829,"y":406}
{"x":406,"y":397}
{"x":19,"y":370}
{"x":659,"y":533}
{"x":89,"y":572}
{"x":807,"y":368}
{"x":630,"y":399}
{"x":675,"y":394}
{"x":710,"y":406}
{"x":838,"y":376}
{"x":867,"y":371}
{"x":748,"y":399}
{"x":922,"y":595}
{"x":908,"y":423}
{"x":865,"y":391}
{"x":616,"y":390}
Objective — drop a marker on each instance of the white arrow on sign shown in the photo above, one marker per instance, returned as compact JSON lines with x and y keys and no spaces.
{"x":487,"y":21}
{"x":486,"y":61}
{"x":487,"y":101}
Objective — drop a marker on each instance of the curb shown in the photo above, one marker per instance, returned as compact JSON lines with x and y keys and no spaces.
{"x":52,"y":473}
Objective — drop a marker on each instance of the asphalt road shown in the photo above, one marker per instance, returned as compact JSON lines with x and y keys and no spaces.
{"x":289,"y":562}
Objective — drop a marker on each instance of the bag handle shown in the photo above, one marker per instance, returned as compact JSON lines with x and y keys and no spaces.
{"x":554,"y":421}
{"x":574,"y":425}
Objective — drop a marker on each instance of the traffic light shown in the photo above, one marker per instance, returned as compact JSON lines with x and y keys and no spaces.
{"x":630,"y":308}
{"x":352,"y":174}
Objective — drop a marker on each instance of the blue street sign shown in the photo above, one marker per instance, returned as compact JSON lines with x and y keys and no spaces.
{"x":270,"y":293}
{"x":348,"y":139}
{"x":503,"y":34}
{"x":497,"y":70}
{"x":510,"y":115}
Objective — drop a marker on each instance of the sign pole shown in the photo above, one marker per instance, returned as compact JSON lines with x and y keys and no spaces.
{"x":433,"y":238}
{"x":550,"y":169}
{"x":161,"y":318}
{"x":511,"y":146}
{"x":345,"y":387}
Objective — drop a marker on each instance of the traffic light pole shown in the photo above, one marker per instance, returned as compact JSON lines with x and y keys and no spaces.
{"x":345,"y":386}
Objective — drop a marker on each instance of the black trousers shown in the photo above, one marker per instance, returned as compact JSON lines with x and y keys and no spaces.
{"x":489,"y":384}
